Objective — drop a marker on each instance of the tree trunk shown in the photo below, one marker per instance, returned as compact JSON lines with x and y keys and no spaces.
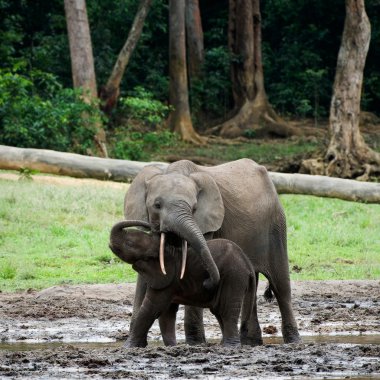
{"x":179,"y":118}
{"x":75,"y":165}
{"x":347,"y":155}
{"x":109,"y":94}
{"x":82,"y":61}
{"x":252,"y":108}
{"x":194,"y":38}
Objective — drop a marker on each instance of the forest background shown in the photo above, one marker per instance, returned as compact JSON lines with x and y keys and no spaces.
{"x":39,"y":108}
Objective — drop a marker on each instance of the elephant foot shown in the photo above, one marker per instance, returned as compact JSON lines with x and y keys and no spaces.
{"x":131,"y":344}
{"x":291,"y":334}
{"x":195,"y":341}
{"x":195,"y":337}
{"x":170,"y":342}
{"x":250,"y":337}
{"x":231,"y":342}
{"x":247,"y":341}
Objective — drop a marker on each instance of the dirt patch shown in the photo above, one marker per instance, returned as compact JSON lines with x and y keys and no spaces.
{"x":66,"y":318}
{"x":67,"y":181}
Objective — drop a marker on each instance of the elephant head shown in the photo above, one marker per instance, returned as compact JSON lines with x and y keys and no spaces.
{"x":141,"y":250}
{"x":187,"y":204}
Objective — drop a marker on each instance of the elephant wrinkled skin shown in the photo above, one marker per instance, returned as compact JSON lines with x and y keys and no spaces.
{"x":235,"y":201}
{"x":166,"y":291}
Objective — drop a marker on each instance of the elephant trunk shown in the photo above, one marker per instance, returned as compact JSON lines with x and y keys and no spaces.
{"x":118,"y":237}
{"x":183,"y":224}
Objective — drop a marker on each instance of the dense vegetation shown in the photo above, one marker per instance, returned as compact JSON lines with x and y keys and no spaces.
{"x":38,"y":108}
{"x":328,"y":238}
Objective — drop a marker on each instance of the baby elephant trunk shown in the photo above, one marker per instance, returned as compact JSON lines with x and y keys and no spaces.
{"x":119,"y":235}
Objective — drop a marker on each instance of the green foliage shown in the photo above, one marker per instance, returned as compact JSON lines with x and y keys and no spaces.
{"x":140,"y":146}
{"x":300,"y":46}
{"x":141,"y":106}
{"x":37,"y":112}
{"x":143,"y":134}
{"x":249,"y":133}
{"x":25,"y":174}
{"x":11,"y":33}
{"x":211,"y":92}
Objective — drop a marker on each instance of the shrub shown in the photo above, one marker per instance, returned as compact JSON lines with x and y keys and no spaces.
{"x":138,"y":145}
{"x":144,"y":132}
{"x":37,"y":112}
{"x":142,"y":107}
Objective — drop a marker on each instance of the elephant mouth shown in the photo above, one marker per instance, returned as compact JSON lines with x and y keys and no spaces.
{"x":173,"y":240}
{"x":155,"y":227}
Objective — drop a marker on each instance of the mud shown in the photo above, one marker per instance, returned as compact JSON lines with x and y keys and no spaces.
{"x":74,"y":332}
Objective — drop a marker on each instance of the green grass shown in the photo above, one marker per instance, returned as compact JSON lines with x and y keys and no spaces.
{"x":332,"y":239}
{"x":262,"y":151}
{"x":53,"y":235}
{"x":58,"y":235}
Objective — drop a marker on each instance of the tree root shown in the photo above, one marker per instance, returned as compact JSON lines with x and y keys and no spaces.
{"x":360,"y":166}
{"x":259,"y":117}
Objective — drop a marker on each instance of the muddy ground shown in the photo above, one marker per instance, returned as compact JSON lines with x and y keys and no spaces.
{"x":80,"y":332}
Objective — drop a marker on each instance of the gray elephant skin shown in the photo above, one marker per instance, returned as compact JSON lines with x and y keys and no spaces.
{"x":235,"y":201}
{"x":166,"y":291}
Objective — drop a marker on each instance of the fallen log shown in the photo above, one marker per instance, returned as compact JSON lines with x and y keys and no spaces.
{"x":330,"y":187}
{"x":75,"y":165}
{"x":70,"y":164}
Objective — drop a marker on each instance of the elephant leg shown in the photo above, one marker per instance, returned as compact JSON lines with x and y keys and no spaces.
{"x":282,"y":291}
{"x":167,"y":325}
{"x":280,"y":283}
{"x":250,"y":331}
{"x":155,"y":303}
{"x":228,"y":321}
{"x":277,"y":273}
{"x":194,"y":330}
{"x":139,"y":298}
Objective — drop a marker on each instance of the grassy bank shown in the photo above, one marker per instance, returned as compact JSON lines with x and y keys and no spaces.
{"x":55,"y":234}
{"x":262,"y":151}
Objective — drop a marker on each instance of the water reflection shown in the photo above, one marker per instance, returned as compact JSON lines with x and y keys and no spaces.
{"x":348,"y":339}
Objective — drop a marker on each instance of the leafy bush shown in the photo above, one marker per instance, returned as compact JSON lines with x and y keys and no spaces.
{"x":139,"y":145}
{"x":211,"y":92}
{"x":37,"y":112}
{"x":142,"y":107}
{"x":143,"y":132}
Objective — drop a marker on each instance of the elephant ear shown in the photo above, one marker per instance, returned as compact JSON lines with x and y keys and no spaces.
{"x":134,"y":201}
{"x":209,"y":214}
{"x":151,"y":272}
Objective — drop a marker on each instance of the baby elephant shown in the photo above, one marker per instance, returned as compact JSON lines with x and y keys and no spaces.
{"x":237,"y":286}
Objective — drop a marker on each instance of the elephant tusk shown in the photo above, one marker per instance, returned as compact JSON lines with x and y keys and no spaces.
{"x":162,"y":248}
{"x":184,"y":258}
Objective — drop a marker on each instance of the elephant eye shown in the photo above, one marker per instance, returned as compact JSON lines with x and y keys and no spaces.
{"x":157,"y":205}
{"x":194,"y":208}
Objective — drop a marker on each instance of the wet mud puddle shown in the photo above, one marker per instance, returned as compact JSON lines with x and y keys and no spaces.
{"x":94,"y":344}
{"x":77,"y":332}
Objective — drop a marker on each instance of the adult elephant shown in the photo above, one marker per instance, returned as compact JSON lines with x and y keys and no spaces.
{"x":235,"y":201}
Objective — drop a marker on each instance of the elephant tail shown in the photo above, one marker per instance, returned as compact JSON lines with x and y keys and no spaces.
{"x":268,"y":293}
